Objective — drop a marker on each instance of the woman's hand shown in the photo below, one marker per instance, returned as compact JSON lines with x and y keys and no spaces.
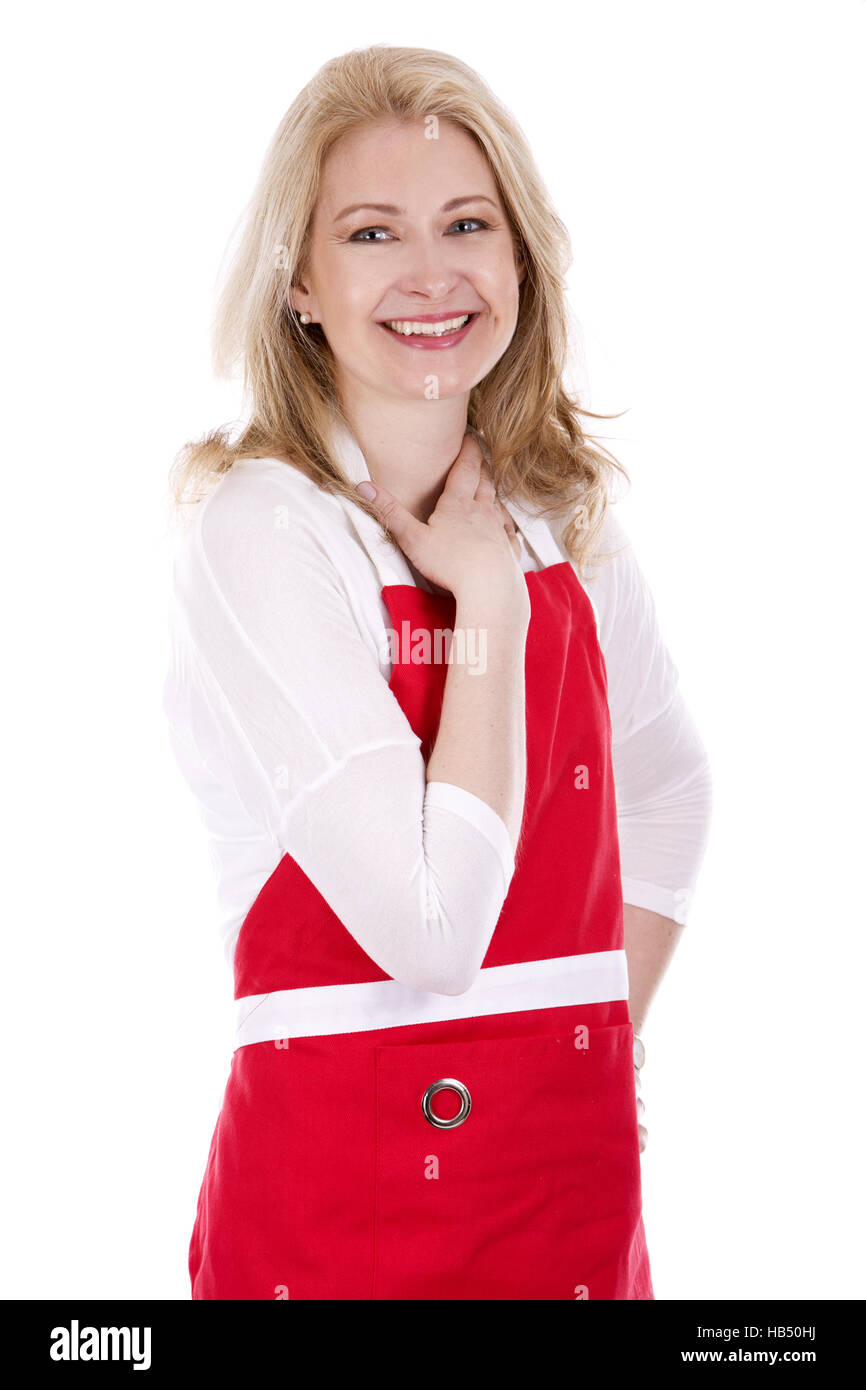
{"x":469,"y":543}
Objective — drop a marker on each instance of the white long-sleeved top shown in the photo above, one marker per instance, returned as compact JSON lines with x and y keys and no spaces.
{"x":284,"y":726}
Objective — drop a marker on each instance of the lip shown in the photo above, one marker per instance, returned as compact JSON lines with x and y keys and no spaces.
{"x":422,"y":344}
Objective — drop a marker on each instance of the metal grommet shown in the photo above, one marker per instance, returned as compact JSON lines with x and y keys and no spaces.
{"x":446,"y":1084}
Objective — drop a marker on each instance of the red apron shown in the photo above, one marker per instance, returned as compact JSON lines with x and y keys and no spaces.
{"x":330,"y":1173}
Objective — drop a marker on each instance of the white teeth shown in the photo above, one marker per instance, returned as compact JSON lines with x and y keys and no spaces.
{"x":427,"y":330}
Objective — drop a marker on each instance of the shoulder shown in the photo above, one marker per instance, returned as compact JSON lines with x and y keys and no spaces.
{"x":262,"y":522}
{"x":609,"y":577}
{"x":258,"y":504}
{"x":611,"y":550}
{"x":252,"y":485}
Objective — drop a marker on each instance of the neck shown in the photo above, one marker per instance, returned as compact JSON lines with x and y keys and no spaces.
{"x":409,"y":446}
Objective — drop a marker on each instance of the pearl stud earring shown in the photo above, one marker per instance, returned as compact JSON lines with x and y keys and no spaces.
{"x":305,"y":318}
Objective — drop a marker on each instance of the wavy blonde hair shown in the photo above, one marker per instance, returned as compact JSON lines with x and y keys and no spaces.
{"x":530,"y":424}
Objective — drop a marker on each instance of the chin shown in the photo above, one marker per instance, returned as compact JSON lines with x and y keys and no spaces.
{"x":445,"y":389}
{"x":452,"y":380}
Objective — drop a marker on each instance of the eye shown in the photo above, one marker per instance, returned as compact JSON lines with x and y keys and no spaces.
{"x":472,"y":221}
{"x":363,"y":233}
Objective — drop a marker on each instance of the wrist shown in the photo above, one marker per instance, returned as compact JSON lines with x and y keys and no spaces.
{"x":489,"y":600}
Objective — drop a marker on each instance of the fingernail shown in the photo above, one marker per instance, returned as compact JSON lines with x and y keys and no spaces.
{"x":367,"y":490}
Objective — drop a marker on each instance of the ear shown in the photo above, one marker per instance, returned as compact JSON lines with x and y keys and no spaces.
{"x":300,"y":299}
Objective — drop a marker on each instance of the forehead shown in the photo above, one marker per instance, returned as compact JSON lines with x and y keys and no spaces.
{"x":395,"y":162}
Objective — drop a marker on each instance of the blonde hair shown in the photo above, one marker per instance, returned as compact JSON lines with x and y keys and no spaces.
{"x":528,"y":421}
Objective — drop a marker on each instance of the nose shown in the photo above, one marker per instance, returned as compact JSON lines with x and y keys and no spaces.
{"x":428,"y":274}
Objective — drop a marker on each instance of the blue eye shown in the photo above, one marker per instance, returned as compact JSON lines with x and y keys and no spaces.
{"x":356,"y":236}
{"x":475,"y":220}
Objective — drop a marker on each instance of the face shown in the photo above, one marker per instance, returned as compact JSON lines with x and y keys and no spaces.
{"x":411,"y":231}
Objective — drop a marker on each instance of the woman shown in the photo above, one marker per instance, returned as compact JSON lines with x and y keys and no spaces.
{"x":408,"y":690}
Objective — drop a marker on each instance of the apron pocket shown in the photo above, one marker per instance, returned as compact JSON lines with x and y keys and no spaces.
{"x":534,"y":1194}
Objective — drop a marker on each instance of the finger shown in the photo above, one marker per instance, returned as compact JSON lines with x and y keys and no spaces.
{"x":513,"y":537}
{"x":486,"y":492}
{"x":642,"y":1137}
{"x":465,"y":471}
{"x":408,"y":531}
{"x":486,"y":489}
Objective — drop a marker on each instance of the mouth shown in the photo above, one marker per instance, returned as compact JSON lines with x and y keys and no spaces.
{"x":430,"y":330}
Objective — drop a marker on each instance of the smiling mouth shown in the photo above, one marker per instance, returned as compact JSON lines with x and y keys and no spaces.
{"x":423,"y":328}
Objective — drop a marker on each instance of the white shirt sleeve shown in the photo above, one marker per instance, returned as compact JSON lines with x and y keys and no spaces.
{"x":317,"y":747}
{"x":662,"y":773}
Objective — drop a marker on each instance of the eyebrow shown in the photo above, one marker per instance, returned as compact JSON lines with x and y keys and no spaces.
{"x":390,"y":211}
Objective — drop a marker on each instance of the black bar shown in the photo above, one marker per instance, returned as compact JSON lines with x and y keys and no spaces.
{"x":297,"y":1341}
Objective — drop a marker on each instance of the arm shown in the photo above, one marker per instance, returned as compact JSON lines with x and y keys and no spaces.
{"x":650,"y":941}
{"x":481,"y":743}
{"x":469,"y":547}
{"x":316,"y":746}
{"x":661,"y":769}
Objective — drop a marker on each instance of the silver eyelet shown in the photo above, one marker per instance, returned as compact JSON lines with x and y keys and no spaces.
{"x":446,"y":1084}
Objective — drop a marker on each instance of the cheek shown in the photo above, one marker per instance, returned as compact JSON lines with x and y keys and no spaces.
{"x":354,"y":303}
{"x":346,"y":311}
{"x":501,"y":287}
{"x":506,"y":307}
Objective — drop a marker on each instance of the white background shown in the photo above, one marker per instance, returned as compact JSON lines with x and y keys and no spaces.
{"x":708,"y":161}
